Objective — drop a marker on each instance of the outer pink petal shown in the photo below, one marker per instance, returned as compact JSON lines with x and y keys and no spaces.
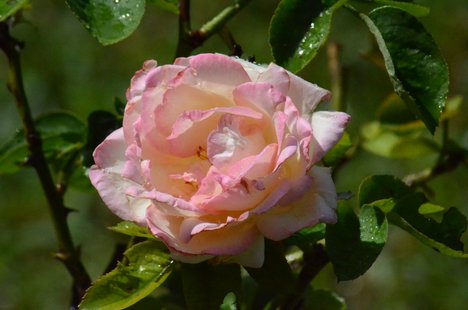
{"x":229,"y":240}
{"x":316,"y":205}
{"x":138,"y":82}
{"x":106,"y":177}
{"x":327,"y":129}
{"x":305,"y":95}
{"x":148,"y":77}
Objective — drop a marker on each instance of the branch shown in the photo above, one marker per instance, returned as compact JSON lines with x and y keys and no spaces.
{"x":190,"y":40}
{"x":450,"y":157}
{"x":67,"y":253}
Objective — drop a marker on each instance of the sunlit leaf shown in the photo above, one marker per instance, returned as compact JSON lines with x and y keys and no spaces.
{"x":132,"y":229}
{"x":147,"y":268}
{"x":229,"y":302}
{"x":206,"y":285}
{"x":298,"y":29}
{"x":416,"y":68}
{"x":62,"y":134}
{"x":10,"y":7}
{"x":354,"y":243}
{"x":452,"y":107}
{"x":109,"y":21}
{"x":405,"y":141}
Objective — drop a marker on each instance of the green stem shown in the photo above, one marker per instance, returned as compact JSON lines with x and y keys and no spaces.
{"x":67,"y":253}
{"x":190,"y":40}
{"x":336,"y":76}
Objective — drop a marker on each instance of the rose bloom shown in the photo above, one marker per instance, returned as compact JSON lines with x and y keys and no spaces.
{"x":216,"y":154}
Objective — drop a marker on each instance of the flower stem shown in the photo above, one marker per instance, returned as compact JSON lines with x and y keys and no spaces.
{"x":67,"y":253}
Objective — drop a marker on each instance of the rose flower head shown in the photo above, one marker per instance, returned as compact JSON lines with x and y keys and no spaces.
{"x":216,"y":154}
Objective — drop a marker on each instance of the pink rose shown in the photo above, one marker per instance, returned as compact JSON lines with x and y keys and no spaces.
{"x":216,"y":154}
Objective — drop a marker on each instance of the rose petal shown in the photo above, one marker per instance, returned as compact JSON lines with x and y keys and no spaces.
{"x":327,"y":129}
{"x":316,"y":205}
{"x":233,"y":239}
{"x":106,"y":177}
{"x":305,"y":95}
{"x":276,"y":76}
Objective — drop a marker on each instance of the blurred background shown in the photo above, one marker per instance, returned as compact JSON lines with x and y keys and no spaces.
{"x":66,"y":69}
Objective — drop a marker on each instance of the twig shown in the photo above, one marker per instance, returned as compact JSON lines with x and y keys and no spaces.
{"x":190,"y":40}
{"x":228,"y":38}
{"x":67,"y":253}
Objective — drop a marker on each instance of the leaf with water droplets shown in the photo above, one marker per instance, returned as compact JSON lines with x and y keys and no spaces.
{"x":148,"y":266}
{"x":109,"y":21}
{"x":354,"y":243}
{"x":10,"y":7}
{"x":298,"y":29}
{"x":413,"y":61}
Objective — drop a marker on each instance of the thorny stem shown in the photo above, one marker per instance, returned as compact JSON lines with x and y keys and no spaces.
{"x":67,"y":253}
{"x":190,"y":40}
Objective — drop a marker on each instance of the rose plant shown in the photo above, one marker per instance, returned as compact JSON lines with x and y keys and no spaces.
{"x":216,"y":154}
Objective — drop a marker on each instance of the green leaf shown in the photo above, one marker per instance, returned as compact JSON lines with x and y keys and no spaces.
{"x":433,"y":225}
{"x":132,"y":229}
{"x":353,"y":244}
{"x":62,"y":134}
{"x":229,"y":302}
{"x":206,"y":285}
{"x":411,"y":8}
{"x":444,"y":236}
{"x":338,"y":152}
{"x":171,"y":6}
{"x":378,"y":187}
{"x":10,"y":7}
{"x":109,"y":21}
{"x":148,"y":267}
{"x":324,"y":300}
{"x":397,"y":141}
{"x":307,"y":236}
{"x":416,"y":68}
{"x":298,"y":29}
